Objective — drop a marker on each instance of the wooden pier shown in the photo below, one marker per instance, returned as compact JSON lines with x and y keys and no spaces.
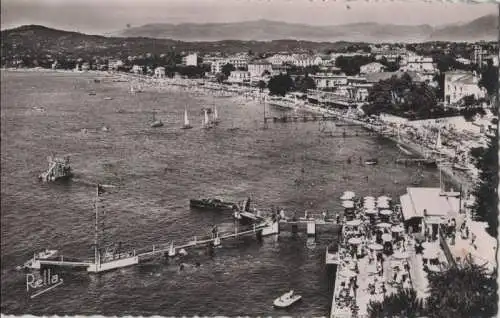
{"x":306,"y":118}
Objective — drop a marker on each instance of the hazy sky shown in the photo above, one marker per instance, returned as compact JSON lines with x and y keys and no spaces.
{"x":101,"y":16}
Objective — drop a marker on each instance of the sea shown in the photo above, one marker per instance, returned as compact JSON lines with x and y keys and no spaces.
{"x":155,"y":172}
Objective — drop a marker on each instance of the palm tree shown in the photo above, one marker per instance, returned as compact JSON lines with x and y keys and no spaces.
{"x":403,"y":304}
{"x":467,"y":290}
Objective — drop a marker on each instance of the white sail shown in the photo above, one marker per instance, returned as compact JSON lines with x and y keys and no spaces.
{"x":215,"y":113}
{"x":186,"y":120}
{"x":206,"y":117}
{"x":438,"y":141}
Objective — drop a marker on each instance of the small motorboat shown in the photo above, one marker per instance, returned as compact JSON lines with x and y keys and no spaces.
{"x":92,"y":93}
{"x":212,"y":204}
{"x":156,"y":122}
{"x":108,"y":98}
{"x":286,"y":300}
{"x":371,"y":162}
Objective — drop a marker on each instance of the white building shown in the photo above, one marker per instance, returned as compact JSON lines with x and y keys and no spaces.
{"x":280,"y":59}
{"x":256,"y":69}
{"x":416,"y":63}
{"x":159,"y":72}
{"x":329,"y":80}
{"x":458,"y":84}
{"x":190,"y":60}
{"x":136,"y":69}
{"x":373,"y":67}
{"x":239,"y":77}
{"x":237,"y":61}
{"x":428,"y":208}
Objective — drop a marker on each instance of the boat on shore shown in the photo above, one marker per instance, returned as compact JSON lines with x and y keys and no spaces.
{"x":371,"y":162}
{"x":286,"y":300}
{"x":212,"y":204}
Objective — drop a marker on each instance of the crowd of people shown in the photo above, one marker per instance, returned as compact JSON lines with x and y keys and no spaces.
{"x":373,"y":251}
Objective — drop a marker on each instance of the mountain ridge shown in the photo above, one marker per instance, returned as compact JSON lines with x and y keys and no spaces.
{"x":483,"y":28}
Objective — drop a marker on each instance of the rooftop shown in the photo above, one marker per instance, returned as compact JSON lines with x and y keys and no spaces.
{"x":430,"y":200}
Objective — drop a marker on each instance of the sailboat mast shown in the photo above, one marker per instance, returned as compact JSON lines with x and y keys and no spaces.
{"x":96,"y":234}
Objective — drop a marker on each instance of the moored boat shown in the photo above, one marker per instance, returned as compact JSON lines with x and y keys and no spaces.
{"x":371,"y":162}
{"x":211,"y":204}
{"x":286,"y":300}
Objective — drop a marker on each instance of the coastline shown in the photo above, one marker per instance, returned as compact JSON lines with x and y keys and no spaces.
{"x":460,"y":181}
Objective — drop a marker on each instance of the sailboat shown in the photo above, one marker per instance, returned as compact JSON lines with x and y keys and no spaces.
{"x":186,"y":121}
{"x":156,"y":123}
{"x":132,"y":90}
{"x":215,"y":117}
{"x":206,"y":122}
{"x":400,"y":144}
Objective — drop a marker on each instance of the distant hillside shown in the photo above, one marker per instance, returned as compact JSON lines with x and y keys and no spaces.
{"x":264,"y":30}
{"x":484,"y":28}
{"x":36,"y":40}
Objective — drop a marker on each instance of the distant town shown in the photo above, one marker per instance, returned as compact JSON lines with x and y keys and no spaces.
{"x":457,"y":76}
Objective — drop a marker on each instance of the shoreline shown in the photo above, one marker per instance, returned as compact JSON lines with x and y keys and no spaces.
{"x":465,"y":182}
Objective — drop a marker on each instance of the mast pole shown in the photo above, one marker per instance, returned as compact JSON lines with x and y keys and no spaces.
{"x":96,"y":234}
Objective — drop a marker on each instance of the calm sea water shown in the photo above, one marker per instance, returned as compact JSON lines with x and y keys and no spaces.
{"x":157,"y":171}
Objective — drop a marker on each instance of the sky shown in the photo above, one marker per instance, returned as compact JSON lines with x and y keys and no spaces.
{"x":105,"y":16}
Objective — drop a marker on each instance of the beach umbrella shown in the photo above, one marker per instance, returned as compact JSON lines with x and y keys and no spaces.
{"x":400,"y":255}
{"x":386,"y":237}
{"x":383,"y":198}
{"x":386,"y":212}
{"x":383,"y":205}
{"x":354,"y":241}
{"x":397,"y":229}
{"x":383,"y":225}
{"x":375,"y":247}
{"x":348,"y":204}
{"x":348,"y":195}
{"x":355,"y":222}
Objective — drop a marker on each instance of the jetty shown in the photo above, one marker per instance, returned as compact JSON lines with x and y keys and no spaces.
{"x":373,"y":255}
{"x":107,"y":257}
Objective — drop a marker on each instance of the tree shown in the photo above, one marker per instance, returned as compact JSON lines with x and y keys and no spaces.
{"x":466,"y":290}
{"x":350,"y":65}
{"x":486,"y":204}
{"x":280,"y":84}
{"x":404,"y":304}
{"x":220,"y":78}
{"x":227,"y":69}
{"x":489,"y":79}
{"x":304,"y":83}
{"x":261,"y":85}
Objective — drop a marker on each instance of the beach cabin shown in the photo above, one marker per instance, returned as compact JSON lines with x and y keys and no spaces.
{"x":426,"y":209}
